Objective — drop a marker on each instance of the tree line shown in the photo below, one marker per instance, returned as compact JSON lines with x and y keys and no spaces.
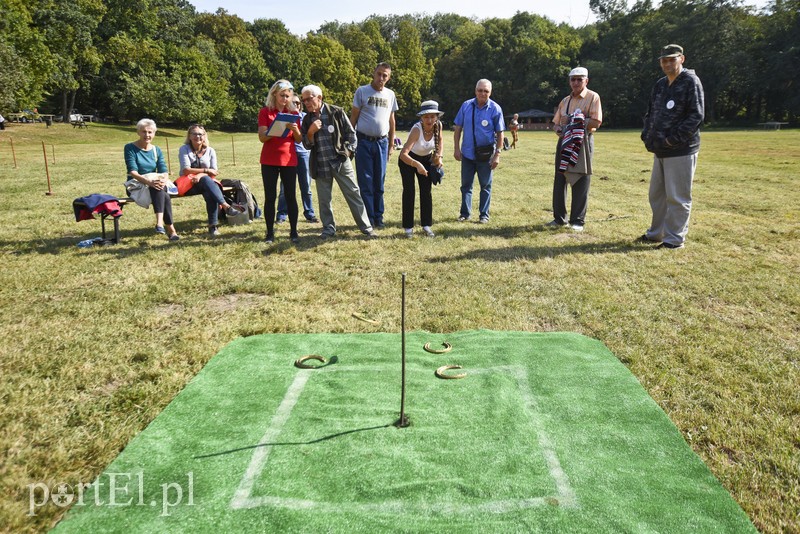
{"x":161,"y":59}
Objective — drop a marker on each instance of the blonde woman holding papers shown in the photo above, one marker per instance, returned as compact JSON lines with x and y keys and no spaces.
{"x":278,"y":130}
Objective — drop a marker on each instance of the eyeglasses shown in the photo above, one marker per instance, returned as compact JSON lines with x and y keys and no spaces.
{"x":198,"y":134}
{"x":578,"y":79}
{"x":482,"y":91}
{"x":306,"y":99}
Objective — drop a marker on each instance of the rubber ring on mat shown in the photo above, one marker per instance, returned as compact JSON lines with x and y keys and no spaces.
{"x":447,"y":348}
{"x":440,"y":372}
{"x":362,"y":318}
{"x":300,"y":362}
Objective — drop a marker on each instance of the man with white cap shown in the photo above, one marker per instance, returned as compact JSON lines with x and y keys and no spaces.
{"x":578,"y":116}
{"x":672,"y":133}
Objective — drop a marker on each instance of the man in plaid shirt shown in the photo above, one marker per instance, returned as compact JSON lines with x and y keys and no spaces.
{"x":330,"y":137}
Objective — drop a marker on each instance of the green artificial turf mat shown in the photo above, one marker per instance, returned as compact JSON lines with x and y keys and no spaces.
{"x":547,"y":433}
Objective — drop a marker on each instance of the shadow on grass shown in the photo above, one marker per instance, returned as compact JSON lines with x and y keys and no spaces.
{"x":142,"y":239}
{"x":529,"y":252}
{"x":309,"y":442}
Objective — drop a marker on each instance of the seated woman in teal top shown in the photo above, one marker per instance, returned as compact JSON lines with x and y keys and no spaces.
{"x":143,"y":158}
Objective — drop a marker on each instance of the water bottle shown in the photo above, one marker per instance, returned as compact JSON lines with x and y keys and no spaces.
{"x":86,"y":243}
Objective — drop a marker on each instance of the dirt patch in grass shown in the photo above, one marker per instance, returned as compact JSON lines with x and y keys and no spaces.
{"x":236,"y":301}
{"x":170,"y":309}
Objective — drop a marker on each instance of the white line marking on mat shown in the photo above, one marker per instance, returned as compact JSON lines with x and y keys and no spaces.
{"x":243,"y":498}
{"x":260,"y":454}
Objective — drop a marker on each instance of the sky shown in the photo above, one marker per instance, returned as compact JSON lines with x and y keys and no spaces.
{"x":309,"y":15}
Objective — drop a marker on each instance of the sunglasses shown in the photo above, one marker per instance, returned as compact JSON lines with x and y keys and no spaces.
{"x":285,"y":85}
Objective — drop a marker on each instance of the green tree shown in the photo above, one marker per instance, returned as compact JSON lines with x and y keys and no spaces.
{"x":68,"y":29}
{"x":361,"y":47}
{"x":185,"y":87}
{"x":245,"y":69}
{"x":332,"y":69}
{"x":282,"y":51}
{"x":778,"y":74}
{"x":412,"y":74}
{"x":25,"y":60}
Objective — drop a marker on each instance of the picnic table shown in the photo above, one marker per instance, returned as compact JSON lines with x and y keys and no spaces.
{"x":772,"y":125}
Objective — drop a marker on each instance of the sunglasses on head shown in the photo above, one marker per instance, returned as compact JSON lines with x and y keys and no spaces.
{"x":285,"y":85}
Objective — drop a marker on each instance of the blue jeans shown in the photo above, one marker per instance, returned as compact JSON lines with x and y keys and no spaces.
{"x":468,"y":169}
{"x":304,"y":182}
{"x":371,"y":171}
{"x":212,"y":195}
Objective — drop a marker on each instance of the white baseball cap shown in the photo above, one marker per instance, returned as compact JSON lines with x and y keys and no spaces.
{"x":579,"y":71}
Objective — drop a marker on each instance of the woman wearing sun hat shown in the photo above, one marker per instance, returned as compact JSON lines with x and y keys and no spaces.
{"x":421,"y":158}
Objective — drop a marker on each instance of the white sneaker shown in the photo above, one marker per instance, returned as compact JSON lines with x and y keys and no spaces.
{"x":428,"y":231}
{"x":409,"y":232}
{"x":576,"y":227}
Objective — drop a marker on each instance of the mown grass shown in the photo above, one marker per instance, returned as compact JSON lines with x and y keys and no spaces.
{"x":97,"y":341}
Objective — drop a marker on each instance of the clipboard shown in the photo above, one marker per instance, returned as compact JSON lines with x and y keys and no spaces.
{"x":280,"y":126}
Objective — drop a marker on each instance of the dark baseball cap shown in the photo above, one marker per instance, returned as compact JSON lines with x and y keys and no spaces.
{"x":671,"y":50}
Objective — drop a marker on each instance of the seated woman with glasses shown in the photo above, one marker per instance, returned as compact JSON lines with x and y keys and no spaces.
{"x":198,"y":172}
{"x":278,"y":153}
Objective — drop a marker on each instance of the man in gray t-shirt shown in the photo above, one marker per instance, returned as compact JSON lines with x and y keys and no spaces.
{"x":374,"y":106}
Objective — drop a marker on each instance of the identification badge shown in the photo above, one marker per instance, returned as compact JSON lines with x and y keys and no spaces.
{"x":484,"y":123}
{"x":670,"y":104}
{"x":330,"y":128}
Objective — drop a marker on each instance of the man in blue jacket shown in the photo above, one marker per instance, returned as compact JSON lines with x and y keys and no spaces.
{"x":481,"y":120}
{"x":672,"y":133}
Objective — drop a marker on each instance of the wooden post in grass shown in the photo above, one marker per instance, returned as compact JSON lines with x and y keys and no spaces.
{"x":403,"y":421}
{"x":169,"y":165}
{"x":13,"y":152}
{"x":46,"y":170}
{"x":233,"y":149}
{"x":53,"y":151}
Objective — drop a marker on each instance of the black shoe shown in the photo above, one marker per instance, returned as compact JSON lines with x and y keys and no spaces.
{"x":270,"y":238}
{"x":312,"y":219}
{"x":644,"y":239}
{"x":669,"y":246}
{"x":294,"y":237}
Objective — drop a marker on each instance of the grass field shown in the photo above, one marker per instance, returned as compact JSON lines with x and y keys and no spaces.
{"x":98,"y":341}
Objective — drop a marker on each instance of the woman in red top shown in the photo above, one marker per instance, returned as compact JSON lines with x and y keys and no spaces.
{"x":278,"y":156}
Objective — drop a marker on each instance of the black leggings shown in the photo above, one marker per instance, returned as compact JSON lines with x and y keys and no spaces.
{"x":162,"y":203}
{"x":409,"y":173}
{"x":288,"y":176}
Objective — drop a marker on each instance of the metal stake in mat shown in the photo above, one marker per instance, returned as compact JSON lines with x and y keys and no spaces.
{"x":403,"y":421}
